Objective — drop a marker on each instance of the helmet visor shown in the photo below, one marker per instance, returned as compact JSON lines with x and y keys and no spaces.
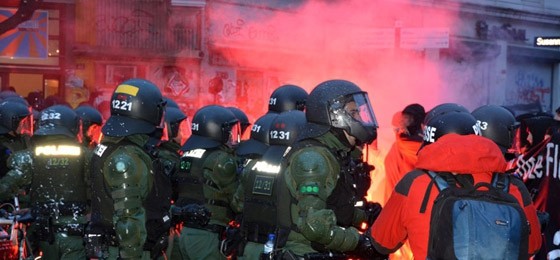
{"x":94,"y":133}
{"x":359,"y":108}
{"x":235,"y":134}
{"x":25,"y":125}
{"x":184,"y":131}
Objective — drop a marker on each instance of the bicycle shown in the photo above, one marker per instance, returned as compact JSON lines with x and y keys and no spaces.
{"x":14,"y":244}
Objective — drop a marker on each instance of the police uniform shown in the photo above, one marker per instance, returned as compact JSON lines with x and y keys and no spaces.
{"x":317,"y":217}
{"x":12,"y":113}
{"x":56,"y":171}
{"x":262,"y":184}
{"x":131,"y":189}
{"x":206,"y":182}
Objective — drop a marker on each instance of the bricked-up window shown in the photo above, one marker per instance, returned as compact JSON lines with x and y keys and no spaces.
{"x":153,"y":25}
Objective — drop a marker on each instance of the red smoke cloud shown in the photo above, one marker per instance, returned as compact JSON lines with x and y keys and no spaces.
{"x":341,"y":40}
{"x":320,"y":41}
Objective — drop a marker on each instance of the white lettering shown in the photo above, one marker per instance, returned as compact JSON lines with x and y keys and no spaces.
{"x":57,"y":150}
{"x":256,"y":128}
{"x":483,"y":125}
{"x":196,"y":153}
{"x":100,"y":149}
{"x":429,"y":134}
{"x":548,"y":42}
{"x":262,"y":166}
{"x":476,"y":129}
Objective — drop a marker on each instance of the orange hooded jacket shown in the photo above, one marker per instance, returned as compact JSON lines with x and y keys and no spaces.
{"x":462,"y":154}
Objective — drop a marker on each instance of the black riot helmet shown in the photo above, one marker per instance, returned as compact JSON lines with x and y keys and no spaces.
{"x":6,"y":94}
{"x":259,"y":140}
{"x":284,"y":130}
{"x":285,"y":127}
{"x":242,"y":117}
{"x":92,"y":120}
{"x":174,"y":117}
{"x":137,"y":107}
{"x":287,"y":97}
{"x":457,"y":122}
{"x":89,"y":116}
{"x":343,"y":105}
{"x":211,"y":127}
{"x":442,"y":109}
{"x":12,"y":113}
{"x":171,"y":103}
{"x":59,"y":120}
{"x":498,"y":124}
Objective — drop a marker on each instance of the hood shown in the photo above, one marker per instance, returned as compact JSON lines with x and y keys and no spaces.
{"x":462,"y":154}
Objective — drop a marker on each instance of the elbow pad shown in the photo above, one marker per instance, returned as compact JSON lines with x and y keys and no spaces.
{"x":132,"y":236}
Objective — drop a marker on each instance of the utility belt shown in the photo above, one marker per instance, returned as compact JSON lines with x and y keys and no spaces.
{"x":46,"y":229}
{"x":70,"y":209}
{"x":218,"y":229}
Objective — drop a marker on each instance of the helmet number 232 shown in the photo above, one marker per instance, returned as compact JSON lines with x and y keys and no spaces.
{"x":122,"y":105}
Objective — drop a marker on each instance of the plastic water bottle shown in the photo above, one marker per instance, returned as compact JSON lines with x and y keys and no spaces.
{"x":269,"y":245}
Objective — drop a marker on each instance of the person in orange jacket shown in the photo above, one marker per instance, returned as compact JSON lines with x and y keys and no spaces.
{"x":454,"y":146}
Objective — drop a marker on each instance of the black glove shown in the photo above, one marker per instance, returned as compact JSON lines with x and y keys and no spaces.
{"x":196,"y":214}
{"x":365,"y":249}
{"x":372,"y":210}
{"x":232,"y":241}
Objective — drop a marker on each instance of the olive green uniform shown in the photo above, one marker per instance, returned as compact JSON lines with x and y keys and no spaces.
{"x":56,"y":170}
{"x":252,"y":250}
{"x":321,"y":215}
{"x":125,"y":206}
{"x":207,"y":178}
{"x":170,"y":155}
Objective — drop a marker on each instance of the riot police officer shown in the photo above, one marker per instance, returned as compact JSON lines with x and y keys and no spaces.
{"x":56,"y":170}
{"x":16,"y":127}
{"x":206,"y":180}
{"x":131,"y":188}
{"x":92,"y":120}
{"x":287,"y":97}
{"x":498,"y":124}
{"x":249,"y":151}
{"x":243,"y":122}
{"x":248,"y":154}
{"x":318,"y":218}
{"x":261,"y":184}
{"x":169,"y":154}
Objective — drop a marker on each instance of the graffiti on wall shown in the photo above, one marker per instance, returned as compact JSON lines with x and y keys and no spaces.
{"x":241,"y":30}
{"x":529,"y":87}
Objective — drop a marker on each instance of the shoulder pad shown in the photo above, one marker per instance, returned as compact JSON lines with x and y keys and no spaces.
{"x":21,"y":160}
{"x":312,"y":170}
{"x":128,"y":160}
{"x":221,"y":162}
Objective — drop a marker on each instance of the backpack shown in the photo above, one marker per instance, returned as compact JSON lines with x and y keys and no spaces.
{"x":480,"y":221}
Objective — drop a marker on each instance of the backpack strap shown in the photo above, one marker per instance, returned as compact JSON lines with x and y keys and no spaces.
{"x":441,"y":184}
{"x":444,"y":180}
{"x":501,"y":181}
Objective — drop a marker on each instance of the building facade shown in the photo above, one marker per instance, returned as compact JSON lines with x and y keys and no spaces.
{"x":234,"y":52}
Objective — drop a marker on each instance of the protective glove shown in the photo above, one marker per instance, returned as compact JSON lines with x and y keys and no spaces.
{"x":365,"y":249}
{"x":372,"y":210}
